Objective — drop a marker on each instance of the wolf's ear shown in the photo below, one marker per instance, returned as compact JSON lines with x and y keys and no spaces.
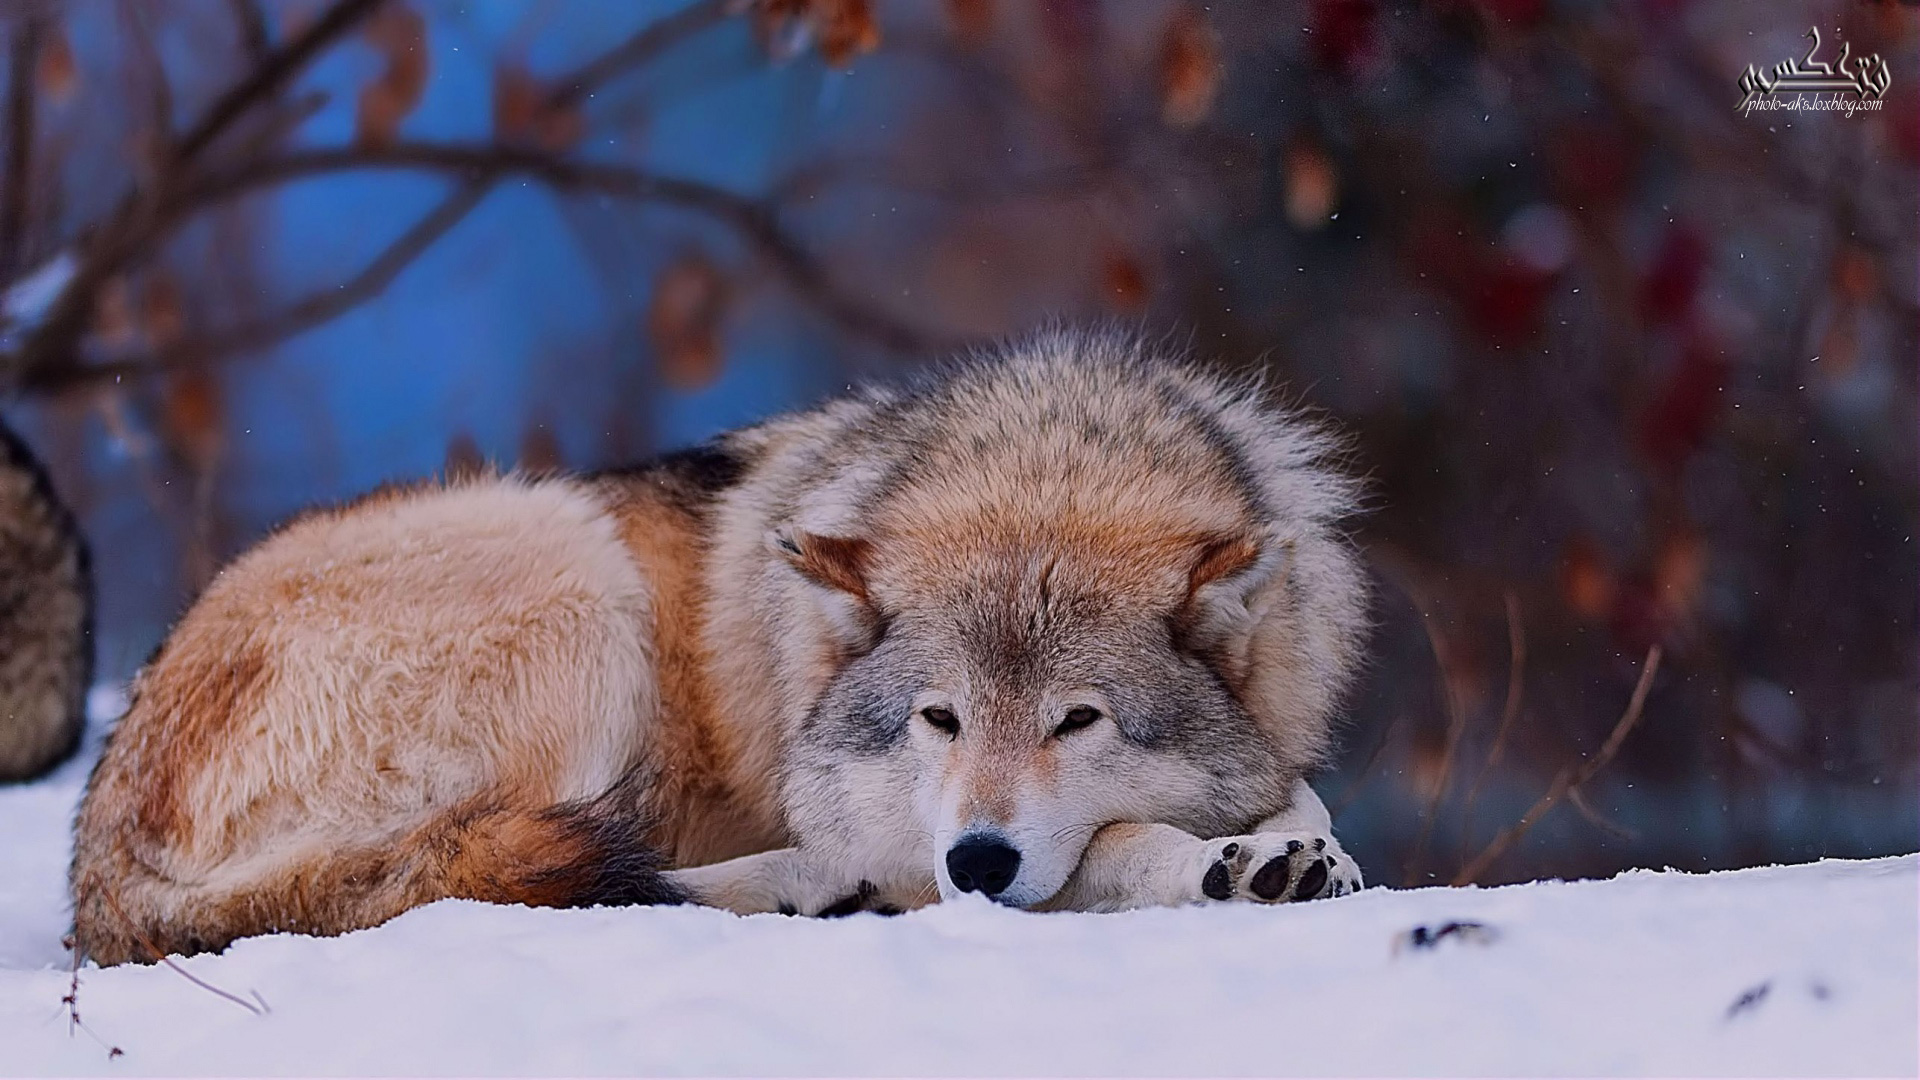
{"x":1228,"y":587}
{"x":831,"y":562}
{"x":837,"y":566}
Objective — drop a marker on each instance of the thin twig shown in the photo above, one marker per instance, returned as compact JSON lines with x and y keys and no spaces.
{"x":273,"y":71}
{"x":321,"y":307}
{"x":145,"y":216}
{"x":160,"y":956}
{"x":22,"y":58}
{"x":159,"y":89}
{"x":1456,"y":730}
{"x":1578,"y":800}
{"x":50,"y":360}
{"x":755,"y":220}
{"x":72,"y":1002}
{"x":1569,"y":779}
{"x":1516,"y":685}
{"x":481,"y":166}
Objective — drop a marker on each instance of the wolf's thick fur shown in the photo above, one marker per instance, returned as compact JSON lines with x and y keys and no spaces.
{"x":1059,"y":626}
{"x":46,"y":619}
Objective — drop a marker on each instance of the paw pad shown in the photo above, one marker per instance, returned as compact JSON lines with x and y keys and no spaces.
{"x":1271,"y":880}
{"x":1312,"y":881}
{"x":1218,"y":884}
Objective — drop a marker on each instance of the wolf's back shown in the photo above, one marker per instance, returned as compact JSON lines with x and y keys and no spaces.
{"x":46,"y":614}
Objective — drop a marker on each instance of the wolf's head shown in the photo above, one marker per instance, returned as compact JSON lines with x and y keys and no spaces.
{"x":1059,"y":593}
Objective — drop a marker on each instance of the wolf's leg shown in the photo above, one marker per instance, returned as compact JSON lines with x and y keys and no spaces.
{"x":792,"y":882}
{"x":1293,"y":852}
{"x":1290,"y":856}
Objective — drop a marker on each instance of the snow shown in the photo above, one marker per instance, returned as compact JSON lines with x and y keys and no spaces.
{"x":26,"y":303}
{"x":1636,"y":975}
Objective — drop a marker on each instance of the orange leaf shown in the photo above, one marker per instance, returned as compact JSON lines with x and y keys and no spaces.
{"x":1585,"y":582}
{"x":56,"y":74}
{"x":463,"y":460}
{"x":113,"y":314}
{"x":1854,"y":273}
{"x":847,"y":29}
{"x":162,"y":316}
{"x":559,"y":128}
{"x":540,"y":450}
{"x":1312,"y":186}
{"x":972,"y":20}
{"x":523,"y":112}
{"x":1679,"y":571}
{"x":683,"y":321}
{"x":1125,"y":281}
{"x":1189,"y":68}
{"x":192,"y":409}
{"x":399,"y":35}
{"x":516,"y":102}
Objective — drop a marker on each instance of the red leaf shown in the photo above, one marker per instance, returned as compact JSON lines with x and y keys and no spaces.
{"x":1125,"y":281}
{"x":847,"y":29}
{"x":1586,"y":583}
{"x":1189,"y":68}
{"x":399,"y":35}
{"x":1683,"y":411}
{"x":1673,"y":280}
{"x":683,"y":321}
{"x":56,"y":74}
{"x":971,"y":20}
{"x":1344,"y":34}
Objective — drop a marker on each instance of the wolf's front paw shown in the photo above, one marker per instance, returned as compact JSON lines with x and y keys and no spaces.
{"x":1273,"y":868}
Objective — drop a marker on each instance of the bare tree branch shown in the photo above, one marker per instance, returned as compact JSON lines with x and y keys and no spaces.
{"x":253,"y":29}
{"x":49,"y":359}
{"x":23,"y":57}
{"x":1570,"y":778}
{"x":317,"y":309}
{"x":756,"y":221}
{"x":1578,"y":800}
{"x":274,"y":71}
{"x":159,"y":88}
{"x":1443,"y":659}
{"x":144,"y":217}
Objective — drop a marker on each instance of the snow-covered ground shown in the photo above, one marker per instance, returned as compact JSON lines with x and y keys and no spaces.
{"x":1786,"y":970}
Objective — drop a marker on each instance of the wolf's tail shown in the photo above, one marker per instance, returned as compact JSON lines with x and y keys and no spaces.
{"x":578,"y":854}
{"x":46,"y":620}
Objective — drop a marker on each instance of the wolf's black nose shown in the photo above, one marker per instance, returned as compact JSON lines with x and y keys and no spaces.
{"x":986,"y":865}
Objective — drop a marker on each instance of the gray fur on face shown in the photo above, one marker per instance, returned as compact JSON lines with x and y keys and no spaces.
{"x":1078,"y":522}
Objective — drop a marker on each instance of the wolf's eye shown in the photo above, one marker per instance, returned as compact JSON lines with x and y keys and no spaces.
{"x":942,"y":719}
{"x":1077,"y":717}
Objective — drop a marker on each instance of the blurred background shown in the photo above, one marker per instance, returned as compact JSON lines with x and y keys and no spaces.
{"x":1631,"y":374}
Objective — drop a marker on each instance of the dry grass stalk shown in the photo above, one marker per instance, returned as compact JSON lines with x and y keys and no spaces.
{"x":1516,"y":686}
{"x":257,"y":1007}
{"x":1449,"y":754}
{"x":1570,"y":778}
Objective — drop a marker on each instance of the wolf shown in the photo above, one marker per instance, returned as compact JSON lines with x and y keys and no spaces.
{"x":1066,"y":626}
{"x":46,"y":619}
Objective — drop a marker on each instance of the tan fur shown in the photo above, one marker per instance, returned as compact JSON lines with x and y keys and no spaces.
{"x":509,"y":689}
{"x":354,"y":683}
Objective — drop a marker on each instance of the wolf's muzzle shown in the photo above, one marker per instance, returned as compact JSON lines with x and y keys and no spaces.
{"x":982,"y":863}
